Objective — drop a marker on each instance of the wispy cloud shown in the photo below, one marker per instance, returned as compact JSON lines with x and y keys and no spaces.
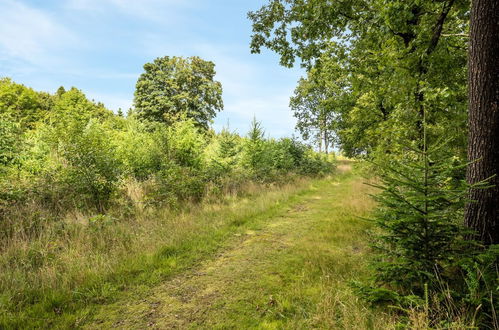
{"x":30,"y":35}
{"x":111,"y":101}
{"x":156,"y":10}
{"x":100,"y":46}
{"x":272,"y":110}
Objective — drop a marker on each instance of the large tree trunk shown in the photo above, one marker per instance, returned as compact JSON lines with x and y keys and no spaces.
{"x":482,"y":214}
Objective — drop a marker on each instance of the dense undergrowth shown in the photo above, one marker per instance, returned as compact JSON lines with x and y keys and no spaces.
{"x":85,"y":195}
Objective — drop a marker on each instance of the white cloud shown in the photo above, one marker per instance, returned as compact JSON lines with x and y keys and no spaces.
{"x":156,"y":10}
{"x":29,"y":34}
{"x":246,"y":93}
{"x":56,"y":47}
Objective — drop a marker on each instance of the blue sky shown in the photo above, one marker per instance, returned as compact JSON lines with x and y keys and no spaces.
{"x":100,"y":47}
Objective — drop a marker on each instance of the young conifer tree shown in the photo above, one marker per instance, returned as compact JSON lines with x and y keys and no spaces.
{"x":421,"y":202}
{"x":420,"y":205}
{"x":422,"y":254}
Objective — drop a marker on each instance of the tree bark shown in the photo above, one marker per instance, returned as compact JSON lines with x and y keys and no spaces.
{"x":482,"y":212}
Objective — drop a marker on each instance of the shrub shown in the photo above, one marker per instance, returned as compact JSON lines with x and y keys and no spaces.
{"x":185,"y":144}
{"x":175,"y":184}
{"x":10,"y":144}
{"x":136,"y":150}
{"x":80,"y":165}
{"x":223,"y":154}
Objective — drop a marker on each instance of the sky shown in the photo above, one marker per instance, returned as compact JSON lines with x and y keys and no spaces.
{"x":100,"y":47}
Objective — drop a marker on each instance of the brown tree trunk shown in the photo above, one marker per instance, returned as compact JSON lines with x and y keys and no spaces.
{"x":482,"y":214}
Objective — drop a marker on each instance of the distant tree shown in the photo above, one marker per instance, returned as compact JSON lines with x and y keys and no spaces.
{"x":73,"y":106}
{"x":319,"y":101}
{"x":482,"y":215}
{"x":61,"y":90}
{"x":310,"y":110}
{"x":22,"y":104}
{"x":172,"y":87}
{"x":255,"y":154}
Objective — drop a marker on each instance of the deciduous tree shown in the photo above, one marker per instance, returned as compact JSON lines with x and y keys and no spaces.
{"x":174,"y":86}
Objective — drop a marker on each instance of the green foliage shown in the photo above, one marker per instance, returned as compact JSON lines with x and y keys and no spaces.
{"x":80,"y":175}
{"x":172,"y":87}
{"x":176,"y":184}
{"x":315,"y":164}
{"x":316,"y":104}
{"x":420,"y":210}
{"x":91,"y":168}
{"x":185,"y":144}
{"x":22,"y":104}
{"x":371,"y":70}
{"x":9,"y":143}
{"x":478,"y":288}
{"x":73,"y":106}
{"x":255,"y":155}
{"x":424,"y":259}
{"x":75,"y":166}
{"x":70,"y":158}
{"x":137,"y":150}
{"x":83,"y":156}
{"x":223,"y":153}
{"x":392,"y":75}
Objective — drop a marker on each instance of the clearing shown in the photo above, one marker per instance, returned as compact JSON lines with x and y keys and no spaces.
{"x":291,"y":270}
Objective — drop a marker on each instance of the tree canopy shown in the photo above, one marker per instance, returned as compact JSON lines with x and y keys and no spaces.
{"x":396,"y":59}
{"x":22,"y":104}
{"x":392,"y":77}
{"x":175,"y":86}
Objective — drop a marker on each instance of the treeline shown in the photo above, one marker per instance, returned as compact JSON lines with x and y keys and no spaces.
{"x":61,"y":152}
{"x":83,"y":188}
{"x":387,"y":82}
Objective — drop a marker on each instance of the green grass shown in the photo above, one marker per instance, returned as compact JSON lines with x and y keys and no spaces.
{"x":276,"y":258}
{"x":288,"y":269}
{"x":58,"y":279}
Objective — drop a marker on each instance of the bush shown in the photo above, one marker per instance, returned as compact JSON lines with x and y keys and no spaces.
{"x":255,"y":155}
{"x":315,"y":164}
{"x":185,"y":144}
{"x":137,"y":151}
{"x":223,"y":154}
{"x":175,"y":184}
{"x":10,"y":144}
{"x":80,"y":165}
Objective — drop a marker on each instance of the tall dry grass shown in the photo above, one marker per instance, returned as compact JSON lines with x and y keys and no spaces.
{"x":51,"y":268}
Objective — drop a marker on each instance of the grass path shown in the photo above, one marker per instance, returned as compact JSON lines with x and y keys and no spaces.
{"x":289,"y":271}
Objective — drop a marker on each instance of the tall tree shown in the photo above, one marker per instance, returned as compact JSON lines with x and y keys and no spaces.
{"x":401,"y":58}
{"x":309,"y":108}
{"x":172,"y":87}
{"x":318,"y":103}
{"x":482,"y":214}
